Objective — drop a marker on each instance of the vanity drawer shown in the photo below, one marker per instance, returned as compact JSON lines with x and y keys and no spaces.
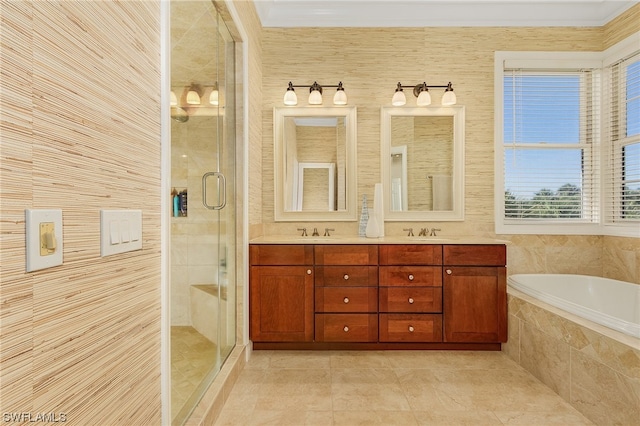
{"x":410,"y":299}
{"x":347,"y":275}
{"x":475,"y":255}
{"x":410,"y":254}
{"x":346,"y":327}
{"x":406,"y":276}
{"x":346,"y":299}
{"x":410,"y":328}
{"x":281,"y":254}
{"x":346,"y":254}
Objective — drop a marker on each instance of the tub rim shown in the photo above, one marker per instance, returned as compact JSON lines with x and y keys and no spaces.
{"x":624,"y":338}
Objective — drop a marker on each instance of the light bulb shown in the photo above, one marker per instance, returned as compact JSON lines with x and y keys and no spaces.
{"x":315,"y":97}
{"x":449,"y":98}
{"x":399,"y":98}
{"x":193,"y":98}
{"x":213,"y":97}
{"x":340,"y":98}
{"x":424,"y":98}
{"x":290,"y":97}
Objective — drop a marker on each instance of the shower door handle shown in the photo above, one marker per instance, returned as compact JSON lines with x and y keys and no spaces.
{"x":223,"y":191}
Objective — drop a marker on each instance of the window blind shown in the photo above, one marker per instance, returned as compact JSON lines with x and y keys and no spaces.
{"x":621,"y":181}
{"x":551,"y":135}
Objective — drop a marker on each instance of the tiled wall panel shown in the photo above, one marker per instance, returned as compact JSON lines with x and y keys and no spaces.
{"x":81,"y":132}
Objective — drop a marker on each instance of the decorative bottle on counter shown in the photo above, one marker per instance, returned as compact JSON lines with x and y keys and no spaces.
{"x":175,"y":202}
{"x":183,"y":202}
{"x":373,"y":229}
{"x":364,"y":217}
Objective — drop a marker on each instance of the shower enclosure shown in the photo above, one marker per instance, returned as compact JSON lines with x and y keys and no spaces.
{"x":203,"y":224}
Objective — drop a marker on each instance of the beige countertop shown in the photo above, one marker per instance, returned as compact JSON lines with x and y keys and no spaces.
{"x":339,"y":239}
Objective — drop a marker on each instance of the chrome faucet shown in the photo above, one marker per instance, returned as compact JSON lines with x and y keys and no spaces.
{"x":326,"y":231}
{"x":423,"y":232}
{"x":304,"y":231}
{"x":410,"y":232}
{"x":315,"y":233}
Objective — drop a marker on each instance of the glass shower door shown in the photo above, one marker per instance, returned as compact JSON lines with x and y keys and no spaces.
{"x":203,"y":227}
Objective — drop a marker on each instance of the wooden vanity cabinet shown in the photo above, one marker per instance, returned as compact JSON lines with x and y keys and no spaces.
{"x":378,"y":296}
{"x":346,"y":293}
{"x":281,"y":293}
{"x":410,"y":302}
{"x":475,"y":293}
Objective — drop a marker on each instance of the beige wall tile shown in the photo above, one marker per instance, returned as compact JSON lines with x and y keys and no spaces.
{"x":546,"y":358}
{"x":602,"y":394}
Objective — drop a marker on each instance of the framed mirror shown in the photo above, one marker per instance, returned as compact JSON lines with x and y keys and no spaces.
{"x":422,"y":160}
{"x":315,"y":163}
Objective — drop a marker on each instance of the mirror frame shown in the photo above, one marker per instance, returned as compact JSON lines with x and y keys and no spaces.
{"x":350,"y":213}
{"x":455,"y":111}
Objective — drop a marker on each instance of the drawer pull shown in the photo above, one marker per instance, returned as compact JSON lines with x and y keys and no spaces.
{"x":346,"y":328}
{"x":449,"y":272}
{"x":346,"y":300}
{"x":411,"y":277}
{"x":411,"y":329}
{"x":411,"y":300}
{"x":308,"y":271}
{"x":346,"y":276}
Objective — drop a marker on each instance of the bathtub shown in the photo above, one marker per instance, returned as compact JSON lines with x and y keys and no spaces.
{"x":580,"y":336}
{"x":614,"y":304}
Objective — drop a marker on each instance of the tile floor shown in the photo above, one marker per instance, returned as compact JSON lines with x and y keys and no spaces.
{"x":391,"y":388}
{"x":192,"y":357}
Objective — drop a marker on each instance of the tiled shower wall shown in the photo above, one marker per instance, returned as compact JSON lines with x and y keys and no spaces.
{"x":370,"y":62}
{"x":81,"y":132}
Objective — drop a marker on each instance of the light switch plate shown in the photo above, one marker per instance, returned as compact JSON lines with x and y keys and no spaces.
{"x":52,"y":220}
{"x":117,"y":231}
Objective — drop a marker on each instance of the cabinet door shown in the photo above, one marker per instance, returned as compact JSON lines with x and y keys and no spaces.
{"x":281,"y":303}
{"x":475,"y":304}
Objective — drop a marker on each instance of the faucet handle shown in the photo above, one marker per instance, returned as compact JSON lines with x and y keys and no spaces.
{"x":304,"y":231}
{"x":410,"y":232}
{"x":433,"y":232}
{"x":326,"y":231}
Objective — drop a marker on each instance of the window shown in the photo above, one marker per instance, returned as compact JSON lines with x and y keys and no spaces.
{"x":550,"y":134}
{"x":622,"y":176}
{"x":567,"y":151}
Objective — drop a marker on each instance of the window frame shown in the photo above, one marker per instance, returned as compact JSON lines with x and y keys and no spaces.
{"x":616,"y":53}
{"x":560,"y":60}
{"x":543,"y":61}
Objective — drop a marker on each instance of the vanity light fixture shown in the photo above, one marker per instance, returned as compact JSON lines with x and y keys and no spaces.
{"x":421,"y":91}
{"x":174,"y":99}
{"x":315,"y":94}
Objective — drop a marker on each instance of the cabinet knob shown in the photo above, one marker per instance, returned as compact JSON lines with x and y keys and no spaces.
{"x":308,"y":271}
{"x":346,"y":300}
{"x":411,"y":277}
{"x":449,"y":272}
{"x":346,"y":328}
{"x":346,"y":276}
{"x":411,"y":329}
{"x":411,"y":300}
